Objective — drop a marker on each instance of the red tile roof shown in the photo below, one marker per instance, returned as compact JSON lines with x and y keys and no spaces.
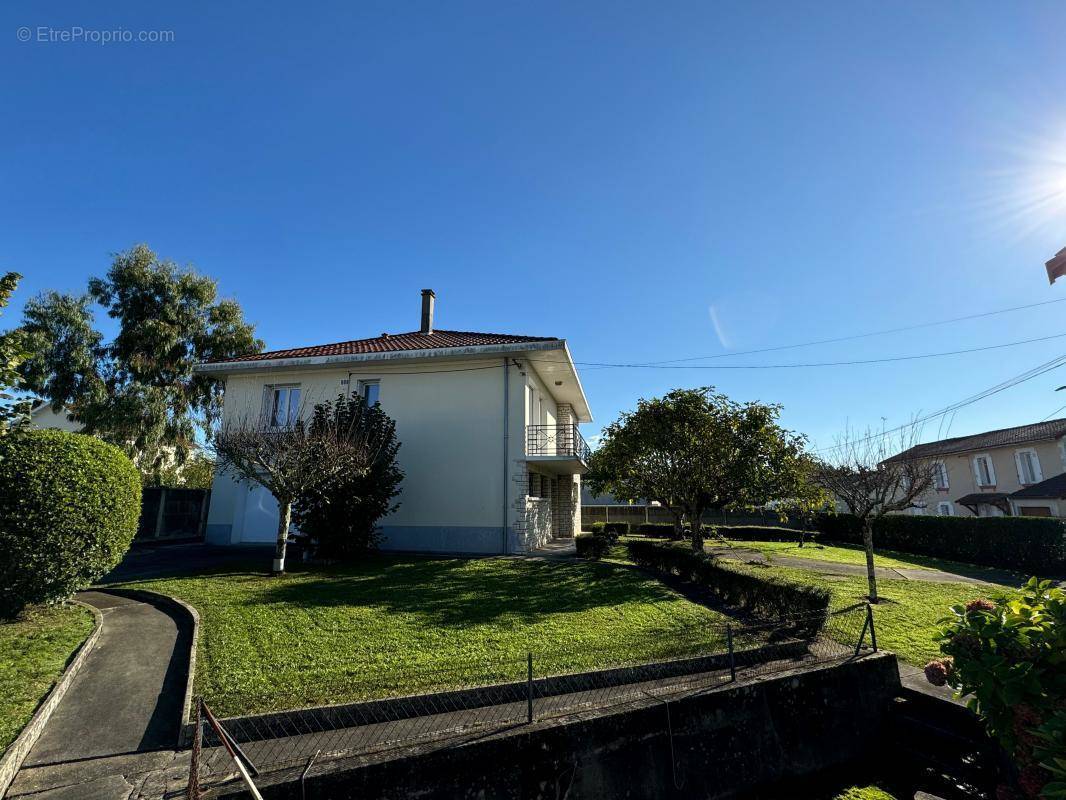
{"x":1052,"y":429}
{"x":395,"y":342}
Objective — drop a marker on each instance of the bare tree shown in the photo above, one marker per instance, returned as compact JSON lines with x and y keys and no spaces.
{"x":873,"y":474}
{"x":293,"y":459}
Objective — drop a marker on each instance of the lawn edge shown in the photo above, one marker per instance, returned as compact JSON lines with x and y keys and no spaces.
{"x":17,"y":751}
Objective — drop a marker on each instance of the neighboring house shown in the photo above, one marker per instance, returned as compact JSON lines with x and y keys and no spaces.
{"x":993,"y":474}
{"x":487,"y":424}
{"x":42,"y":415}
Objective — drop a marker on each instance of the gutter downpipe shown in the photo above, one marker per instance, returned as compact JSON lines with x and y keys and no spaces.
{"x":506,"y":443}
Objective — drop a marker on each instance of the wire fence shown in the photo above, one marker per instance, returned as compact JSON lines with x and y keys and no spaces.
{"x":518,"y":691}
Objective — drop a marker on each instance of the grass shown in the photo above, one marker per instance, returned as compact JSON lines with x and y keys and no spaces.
{"x":864,"y":793}
{"x":855,"y":555}
{"x":34,"y":651}
{"x":405,"y":624}
{"x":836,"y":554}
{"x":906,"y":618}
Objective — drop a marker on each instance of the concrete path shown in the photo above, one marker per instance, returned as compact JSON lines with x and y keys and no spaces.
{"x":127,"y":699}
{"x":971,"y":575}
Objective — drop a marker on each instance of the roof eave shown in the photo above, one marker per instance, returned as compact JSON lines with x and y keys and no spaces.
{"x":221,"y":368}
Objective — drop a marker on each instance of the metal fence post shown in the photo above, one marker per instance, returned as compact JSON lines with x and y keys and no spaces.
{"x":862,"y":633}
{"x":732,"y":660}
{"x":870,"y":621}
{"x":529,"y":687}
{"x":193,"y":791}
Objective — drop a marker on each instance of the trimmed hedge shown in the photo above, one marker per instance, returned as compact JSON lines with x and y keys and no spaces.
{"x":659,"y":530}
{"x":616,"y":529}
{"x":69,"y":506}
{"x":1033,"y":544}
{"x":592,"y":545}
{"x":759,"y":533}
{"x":762,"y":595}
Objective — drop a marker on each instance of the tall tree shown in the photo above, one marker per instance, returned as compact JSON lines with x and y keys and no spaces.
{"x":139,"y":390}
{"x":698,"y":450}
{"x":865,"y":476}
{"x":13,"y":351}
{"x":294,"y":460}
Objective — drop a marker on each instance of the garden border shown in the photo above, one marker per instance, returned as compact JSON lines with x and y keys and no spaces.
{"x":16,"y":753}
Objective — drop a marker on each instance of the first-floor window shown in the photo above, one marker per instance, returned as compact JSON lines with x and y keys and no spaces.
{"x":370,"y":391}
{"x":940,"y":475}
{"x":284,"y":405}
{"x":945,"y":509}
{"x":986,"y":474}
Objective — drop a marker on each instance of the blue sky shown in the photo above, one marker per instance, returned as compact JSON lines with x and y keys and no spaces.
{"x":604,"y":172}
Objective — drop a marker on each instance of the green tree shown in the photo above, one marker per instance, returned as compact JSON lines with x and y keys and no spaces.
{"x":13,"y":351}
{"x":139,"y":391}
{"x":697,"y":450}
{"x":340,"y":516}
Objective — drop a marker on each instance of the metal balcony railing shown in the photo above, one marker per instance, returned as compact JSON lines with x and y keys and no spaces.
{"x":564,"y":441}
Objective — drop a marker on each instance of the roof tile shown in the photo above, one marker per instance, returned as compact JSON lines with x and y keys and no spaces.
{"x":394,"y":343}
{"x":1005,"y":437}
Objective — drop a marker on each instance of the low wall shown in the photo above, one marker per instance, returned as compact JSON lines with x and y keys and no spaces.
{"x":711,"y":744}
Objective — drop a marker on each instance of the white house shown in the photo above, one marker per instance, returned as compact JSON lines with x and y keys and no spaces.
{"x":42,"y":415}
{"x":488,"y":425}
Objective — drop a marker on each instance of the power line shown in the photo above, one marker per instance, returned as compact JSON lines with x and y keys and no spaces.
{"x":885,"y":360}
{"x":852,"y":337}
{"x":1028,"y":375}
{"x":1053,"y":413}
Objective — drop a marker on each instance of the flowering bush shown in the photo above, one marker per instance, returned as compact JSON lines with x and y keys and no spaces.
{"x":1009,"y":657}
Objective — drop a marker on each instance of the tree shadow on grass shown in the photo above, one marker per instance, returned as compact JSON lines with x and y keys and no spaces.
{"x":462,"y":592}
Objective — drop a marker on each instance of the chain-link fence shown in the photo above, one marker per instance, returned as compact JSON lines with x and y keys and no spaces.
{"x":487,"y":696}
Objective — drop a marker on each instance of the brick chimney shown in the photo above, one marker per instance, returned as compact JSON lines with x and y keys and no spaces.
{"x":428,"y":300}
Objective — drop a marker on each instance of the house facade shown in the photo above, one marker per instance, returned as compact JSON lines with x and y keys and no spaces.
{"x":488,"y":428}
{"x":994,"y":473}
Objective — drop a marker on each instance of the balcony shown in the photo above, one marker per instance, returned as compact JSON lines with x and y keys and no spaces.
{"x":558,"y":448}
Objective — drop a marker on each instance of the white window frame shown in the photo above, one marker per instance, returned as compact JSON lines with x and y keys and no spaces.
{"x":1038,"y":474}
{"x":945,"y":508}
{"x":977,"y":470}
{"x":270,"y":393}
{"x":362,"y":383}
{"x":940,"y":470}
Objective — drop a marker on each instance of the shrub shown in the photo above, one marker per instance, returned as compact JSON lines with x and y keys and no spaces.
{"x":758,"y":533}
{"x":1035,"y":544}
{"x":597,"y":527}
{"x":660,"y":530}
{"x":762,"y":595}
{"x":340,"y":517}
{"x":1009,"y":655}
{"x":69,"y":506}
{"x":616,"y":529}
{"x":592,"y":545}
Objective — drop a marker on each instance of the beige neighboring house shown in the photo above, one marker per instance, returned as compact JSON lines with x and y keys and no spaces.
{"x":487,"y":424}
{"x":996,"y":473}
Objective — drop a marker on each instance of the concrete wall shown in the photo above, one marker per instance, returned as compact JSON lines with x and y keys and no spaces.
{"x":450,"y":422}
{"x":715,"y":744}
{"x":962,"y":479}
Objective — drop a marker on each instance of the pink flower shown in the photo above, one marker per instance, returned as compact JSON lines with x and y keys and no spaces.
{"x":938,"y":671}
{"x":980,"y":604}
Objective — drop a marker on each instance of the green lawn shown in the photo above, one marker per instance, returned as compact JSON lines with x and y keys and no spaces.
{"x":907,"y":614}
{"x":864,"y":793}
{"x":837,"y":554}
{"x":34,"y":651}
{"x":406,"y":624}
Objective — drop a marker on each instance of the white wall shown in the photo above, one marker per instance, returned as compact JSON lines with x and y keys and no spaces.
{"x":45,"y":417}
{"x":450,"y":425}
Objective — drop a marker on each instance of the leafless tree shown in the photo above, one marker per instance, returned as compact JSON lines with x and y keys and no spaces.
{"x":873,"y":474}
{"x":292,"y":459}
